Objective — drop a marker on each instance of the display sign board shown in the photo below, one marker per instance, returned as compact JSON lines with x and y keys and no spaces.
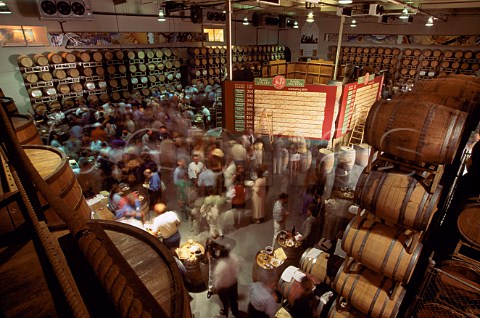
{"x":357,"y":99}
{"x":280,"y":106}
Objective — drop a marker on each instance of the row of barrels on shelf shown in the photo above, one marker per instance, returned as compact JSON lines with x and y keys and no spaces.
{"x":68,"y":103}
{"x":89,"y":85}
{"x":94,"y":56}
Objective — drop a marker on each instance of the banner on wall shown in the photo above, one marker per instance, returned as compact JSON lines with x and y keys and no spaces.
{"x":357,"y":99}
{"x":452,"y":40}
{"x":281,"y":107}
{"x":123,"y":38}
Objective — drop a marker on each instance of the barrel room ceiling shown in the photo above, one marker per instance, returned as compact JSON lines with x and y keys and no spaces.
{"x":437,"y":8}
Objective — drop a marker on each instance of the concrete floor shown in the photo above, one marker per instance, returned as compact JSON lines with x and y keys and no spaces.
{"x":250,"y":238}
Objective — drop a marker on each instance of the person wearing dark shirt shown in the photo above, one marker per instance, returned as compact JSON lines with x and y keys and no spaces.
{"x":303,"y":306}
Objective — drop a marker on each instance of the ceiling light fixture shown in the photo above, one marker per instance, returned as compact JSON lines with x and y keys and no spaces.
{"x":161,"y":15}
{"x":245,"y":20}
{"x":345,"y":1}
{"x":310,"y":18}
{"x":295,"y":24}
{"x":4,"y":8}
{"x":429,"y":22}
{"x":353,"y":23}
{"x":404,"y":14}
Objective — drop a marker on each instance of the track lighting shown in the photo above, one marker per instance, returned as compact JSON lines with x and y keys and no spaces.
{"x":429,"y":22}
{"x":344,"y":1}
{"x":310,"y":18}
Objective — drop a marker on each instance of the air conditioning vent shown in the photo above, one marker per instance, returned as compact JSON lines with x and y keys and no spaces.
{"x":375,"y":10}
{"x":213,"y":16}
{"x":65,"y":9}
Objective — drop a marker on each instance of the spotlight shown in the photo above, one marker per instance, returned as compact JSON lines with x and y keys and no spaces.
{"x":295,"y":24}
{"x":345,"y":1}
{"x":245,"y":20}
{"x":353,"y":23}
{"x":310,"y":18}
{"x":4,"y":8}
{"x":161,"y":15}
{"x":429,"y":22}
{"x":404,"y":14}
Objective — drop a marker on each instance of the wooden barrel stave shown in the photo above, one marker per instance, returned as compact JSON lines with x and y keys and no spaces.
{"x":397,"y":198}
{"x":25,"y":129}
{"x":400,"y":129}
{"x":346,"y":158}
{"x":368,"y":291}
{"x":292,"y":290}
{"x":381,"y":248}
{"x":314,"y":262}
{"x":468,"y":223}
{"x":53,"y":166}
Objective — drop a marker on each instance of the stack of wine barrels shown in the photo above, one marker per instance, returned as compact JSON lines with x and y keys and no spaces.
{"x":383,"y":244}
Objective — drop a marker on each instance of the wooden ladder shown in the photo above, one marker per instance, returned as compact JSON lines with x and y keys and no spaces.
{"x":356,"y":137}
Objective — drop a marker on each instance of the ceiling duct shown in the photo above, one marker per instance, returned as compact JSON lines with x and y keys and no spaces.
{"x":65,"y":9}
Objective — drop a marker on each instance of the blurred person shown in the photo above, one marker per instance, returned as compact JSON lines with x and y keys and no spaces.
{"x":263,"y":298}
{"x":211,"y":208}
{"x":229,"y":173}
{"x":114,"y":198}
{"x":165,"y":225}
{"x":194,"y":169}
{"x":311,"y":227}
{"x":153,"y":185}
{"x":280,"y":214}
{"x":225,"y":282}
{"x":279,"y":154}
{"x":206,"y":179}
{"x":304,"y":305}
{"x":90,"y":179}
{"x":259,"y":196}
{"x":130,"y":213}
{"x":239,"y":200}
{"x":206,"y":117}
{"x":180,"y":180}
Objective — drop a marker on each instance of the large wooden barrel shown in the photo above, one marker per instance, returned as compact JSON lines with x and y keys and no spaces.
{"x":292,"y":290}
{"x":397,"y":198}
{"x":450,"y":101}
{"x":458,"y":285}
{"x":314,"y":262}
{"x":305,"y":161}
{"x":381,"y":248}
{"x":293,"y":249}
{"x":55,"y":58}
{"x":260,"y":271}
{"x":25,"y":129}
{"x":69,"y":57}
{"x":25,"y":61}
{"x":362,"y":152}
{"x":368,"y":291}
{"x":346,"y":158}
{"x":468,"y":223}
{"x":40,"y":60}
{"x":421,"y":132}
{"x":152,"y":264}
{"x":325,"y":160}
{"x":337,"y":311}
{"x":8,"y":105}
{"x":456,"y":87}
{"x":53,"y":166}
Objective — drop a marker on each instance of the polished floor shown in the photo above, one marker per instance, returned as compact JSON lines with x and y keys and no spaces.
{"x":251,"y":237}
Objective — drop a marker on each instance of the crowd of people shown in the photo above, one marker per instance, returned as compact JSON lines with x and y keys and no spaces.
{"x":158,"y":144}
